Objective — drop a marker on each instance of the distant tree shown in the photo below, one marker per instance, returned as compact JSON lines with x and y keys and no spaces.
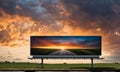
{"x":13,"y":61}
{"x":64,"y":63}
{"x":28,"y":62}
{"x":116,"y":62}
{"x":7,"y":62}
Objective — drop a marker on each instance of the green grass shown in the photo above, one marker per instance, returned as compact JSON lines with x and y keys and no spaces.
{"x":86,"y":51}
{"x":19,"y":65}
{"x":58,"y":66}
{"x":42,"y":51}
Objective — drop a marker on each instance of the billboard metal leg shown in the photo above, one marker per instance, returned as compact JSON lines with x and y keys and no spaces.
{"x":91,"y":63}
{"x":42,"y":64}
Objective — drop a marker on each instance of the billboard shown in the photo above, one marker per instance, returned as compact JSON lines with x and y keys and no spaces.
{"x":65,"y":46}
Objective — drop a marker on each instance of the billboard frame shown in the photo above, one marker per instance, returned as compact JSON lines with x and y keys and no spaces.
{"x":66,"y":56}
{"x":42,"y":57}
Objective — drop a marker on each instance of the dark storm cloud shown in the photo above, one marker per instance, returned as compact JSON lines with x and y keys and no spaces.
{"x":8,"y":6}
{"x":84,"y":15}
{"x":96,"y":42}
{"x":99,"y":12}
{"x":93,"y":8}
{"x":20,"y":7}
{"x":92,"y":14}
{"x":89,"y":43}
{"x":35,"y":9}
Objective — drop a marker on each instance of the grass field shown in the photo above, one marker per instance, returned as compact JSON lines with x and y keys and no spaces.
{"x":42,"y":51}
{"x":58,"y":66}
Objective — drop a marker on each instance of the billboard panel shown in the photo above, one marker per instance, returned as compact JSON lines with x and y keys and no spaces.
{"x":65,"y":46}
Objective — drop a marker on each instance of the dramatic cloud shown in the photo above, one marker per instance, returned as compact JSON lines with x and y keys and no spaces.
{"x":20,"y":19}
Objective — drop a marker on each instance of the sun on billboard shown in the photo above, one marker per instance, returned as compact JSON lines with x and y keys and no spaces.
{"x":65,"y":46}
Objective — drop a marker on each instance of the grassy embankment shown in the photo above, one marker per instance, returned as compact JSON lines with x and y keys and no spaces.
{"x":58,"y":66}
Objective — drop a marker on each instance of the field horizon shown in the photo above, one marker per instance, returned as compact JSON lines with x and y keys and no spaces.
{"x":64,"y":66}
{"x":41,"y":51}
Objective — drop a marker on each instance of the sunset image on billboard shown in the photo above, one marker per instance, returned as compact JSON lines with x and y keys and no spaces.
{"x":66,"y":45}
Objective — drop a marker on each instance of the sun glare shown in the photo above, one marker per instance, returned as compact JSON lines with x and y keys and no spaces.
{"x":62,"y":48}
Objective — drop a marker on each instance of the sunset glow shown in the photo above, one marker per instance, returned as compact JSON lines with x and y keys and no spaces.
{"x":20,"y":19}
{"x":66,"y":42}
{"x":62,"y":48}
{"x":65,"y":45}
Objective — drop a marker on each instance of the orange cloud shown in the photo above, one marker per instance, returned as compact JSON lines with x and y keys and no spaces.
{"x":58,"y":19}
{"x":13,"y":28}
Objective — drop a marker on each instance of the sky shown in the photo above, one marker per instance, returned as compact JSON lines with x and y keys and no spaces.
{"x":66,"y":42}
{"x":20,"y":19}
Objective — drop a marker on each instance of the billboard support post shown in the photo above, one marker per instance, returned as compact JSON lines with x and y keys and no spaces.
{"x":42,"y":61}
{"x":43,"y":47}
{"x":42,"y":64}
{"x":91,"y":63}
